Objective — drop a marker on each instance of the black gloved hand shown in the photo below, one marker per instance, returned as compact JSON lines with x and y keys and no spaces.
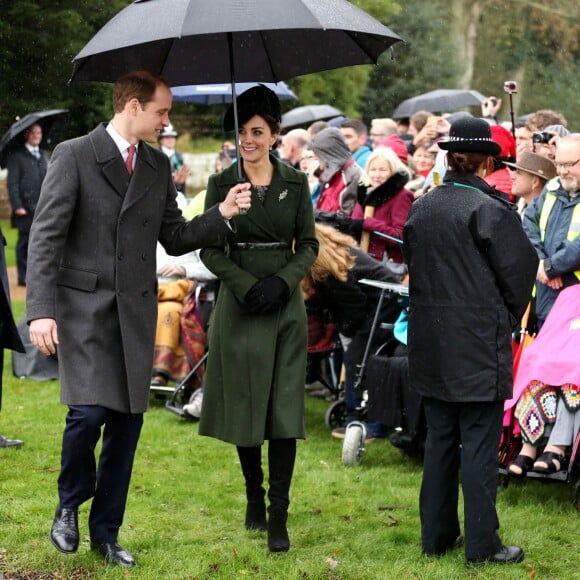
{"x":352,"y":227}
{"x":266,"y":294}
{"x":327,"y":218}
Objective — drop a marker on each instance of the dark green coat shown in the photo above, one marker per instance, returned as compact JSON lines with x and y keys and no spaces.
{"x":254,"y":381}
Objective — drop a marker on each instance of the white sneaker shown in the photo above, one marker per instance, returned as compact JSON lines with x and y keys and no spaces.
{"x":193,"y":407}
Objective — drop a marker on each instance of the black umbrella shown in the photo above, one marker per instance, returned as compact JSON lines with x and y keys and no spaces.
{"x":308,"y":114}
{"x":224,"y":41}
{"x":440,"y":100}
{"x":52,"y":122}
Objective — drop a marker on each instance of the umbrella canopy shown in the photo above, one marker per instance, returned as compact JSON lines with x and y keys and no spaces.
{"x":440,"y":100}
{"x":221,"y":41}
{"x":186,"y":41}
{"x":307,"y":115}
{"x":52,"y":122}
{"x":222,"y":93}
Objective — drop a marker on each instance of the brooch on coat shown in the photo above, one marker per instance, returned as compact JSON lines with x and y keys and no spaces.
{"x":282,"y":195}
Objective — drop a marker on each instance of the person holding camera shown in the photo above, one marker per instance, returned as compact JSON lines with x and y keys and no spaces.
{"x":552,"y":222}
{"x":544,"y":142}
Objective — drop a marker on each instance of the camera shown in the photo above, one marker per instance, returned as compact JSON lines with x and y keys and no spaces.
{"x":541,"y":137}
{"x":510,"y":87}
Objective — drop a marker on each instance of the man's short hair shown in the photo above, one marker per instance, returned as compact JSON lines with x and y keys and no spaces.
{"x":298,"y":137}
{"x":539,"y":120}
{"x":356,"y":124}
{"x":140,"y":85}
{"x":419,"y":119}
{"x":570,"y":139}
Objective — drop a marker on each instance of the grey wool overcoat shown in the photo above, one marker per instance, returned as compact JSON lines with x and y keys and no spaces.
{"x":254,"y":381}
{"x":91,"y":265}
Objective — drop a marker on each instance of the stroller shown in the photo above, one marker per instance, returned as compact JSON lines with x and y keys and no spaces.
{"x":383,"y":377}
{"x":551,"y":359}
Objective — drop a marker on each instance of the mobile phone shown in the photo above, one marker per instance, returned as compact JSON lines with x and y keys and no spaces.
{"x":436,"y":178}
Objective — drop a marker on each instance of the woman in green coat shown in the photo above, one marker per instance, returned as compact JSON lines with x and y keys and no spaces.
{"x":254,"y":381}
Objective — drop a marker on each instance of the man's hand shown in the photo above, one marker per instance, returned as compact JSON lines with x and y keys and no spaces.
{"x":554,"y":283}
{"x":238,"y":197}
{"x":43,"y":335}
{"x":541,"y":276}
{"x":180,"y":176}
{"x":20,"y":212}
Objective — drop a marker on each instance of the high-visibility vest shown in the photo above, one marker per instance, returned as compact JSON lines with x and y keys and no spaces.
{"x":573,"y":228}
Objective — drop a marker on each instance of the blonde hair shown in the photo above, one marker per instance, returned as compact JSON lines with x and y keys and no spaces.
{"x":390,"y":158}
{"x":334,"y":256}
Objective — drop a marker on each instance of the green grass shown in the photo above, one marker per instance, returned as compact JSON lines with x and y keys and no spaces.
{"x":186,"y":506}
{"x":11,"y":234}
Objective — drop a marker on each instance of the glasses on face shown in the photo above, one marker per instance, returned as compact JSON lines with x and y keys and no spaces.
{"x":566,"y":164}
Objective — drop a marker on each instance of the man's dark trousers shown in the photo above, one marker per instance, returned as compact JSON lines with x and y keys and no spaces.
{"x":108,"y":484}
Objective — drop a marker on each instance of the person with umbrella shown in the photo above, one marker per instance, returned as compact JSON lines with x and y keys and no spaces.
{"x":26,"y":169}
{"x":256,"y":369}
{"x":466,"y":295}
{"x":108,"y":197}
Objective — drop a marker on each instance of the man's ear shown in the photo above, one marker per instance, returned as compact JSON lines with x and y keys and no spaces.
{"x":132,"y":106}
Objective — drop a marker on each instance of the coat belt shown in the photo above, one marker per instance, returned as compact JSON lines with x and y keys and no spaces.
{"x":260,"y":245}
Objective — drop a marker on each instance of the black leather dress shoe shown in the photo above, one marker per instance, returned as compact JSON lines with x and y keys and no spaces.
{"x":114,"y":554}
{"x":64,"y":533}
{"x":5,"y":442}
{"x":507,"y":555}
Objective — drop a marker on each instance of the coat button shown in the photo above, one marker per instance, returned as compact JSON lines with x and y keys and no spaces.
{"x":121,"y":257}
{"x":145,"y":293}
{"x":145,"y":223}
{"x":144,"y":257}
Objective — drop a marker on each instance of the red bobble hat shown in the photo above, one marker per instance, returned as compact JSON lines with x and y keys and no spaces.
{"x":505,"y":140}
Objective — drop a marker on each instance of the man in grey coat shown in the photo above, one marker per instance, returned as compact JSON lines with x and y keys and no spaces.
{"x":107,"y":199}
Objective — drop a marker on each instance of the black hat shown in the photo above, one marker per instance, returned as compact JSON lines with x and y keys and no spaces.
{"x":470,"y":135}
{"x":258,"y":100}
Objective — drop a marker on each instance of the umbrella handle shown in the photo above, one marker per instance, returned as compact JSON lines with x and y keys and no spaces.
{"x":525,"y":318}
{"x":365,"y":237}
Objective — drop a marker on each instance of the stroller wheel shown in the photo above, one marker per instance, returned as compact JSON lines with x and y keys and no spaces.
{"x":353,"y":445}
{"x":336,"y":414}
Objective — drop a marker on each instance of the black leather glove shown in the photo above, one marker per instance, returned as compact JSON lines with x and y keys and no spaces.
{"x":327,"y":218}
{"x":350,"y":226}
{"x":266,"y":295}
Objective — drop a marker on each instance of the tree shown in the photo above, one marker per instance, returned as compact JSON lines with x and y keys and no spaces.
{"x":39,"y":41}
{"x":344,"y":88}
{"x":425,"y":62}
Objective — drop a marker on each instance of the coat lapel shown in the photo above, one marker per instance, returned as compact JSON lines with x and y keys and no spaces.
{"x":110,"y":160}
{"x":144,"y":175}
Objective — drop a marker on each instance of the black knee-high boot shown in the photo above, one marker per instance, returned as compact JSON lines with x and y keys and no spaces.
{"x":251,"y":461}
{"x":281,"y":458}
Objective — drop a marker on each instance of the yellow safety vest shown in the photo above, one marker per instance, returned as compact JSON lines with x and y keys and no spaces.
{"x":573,"y":228}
